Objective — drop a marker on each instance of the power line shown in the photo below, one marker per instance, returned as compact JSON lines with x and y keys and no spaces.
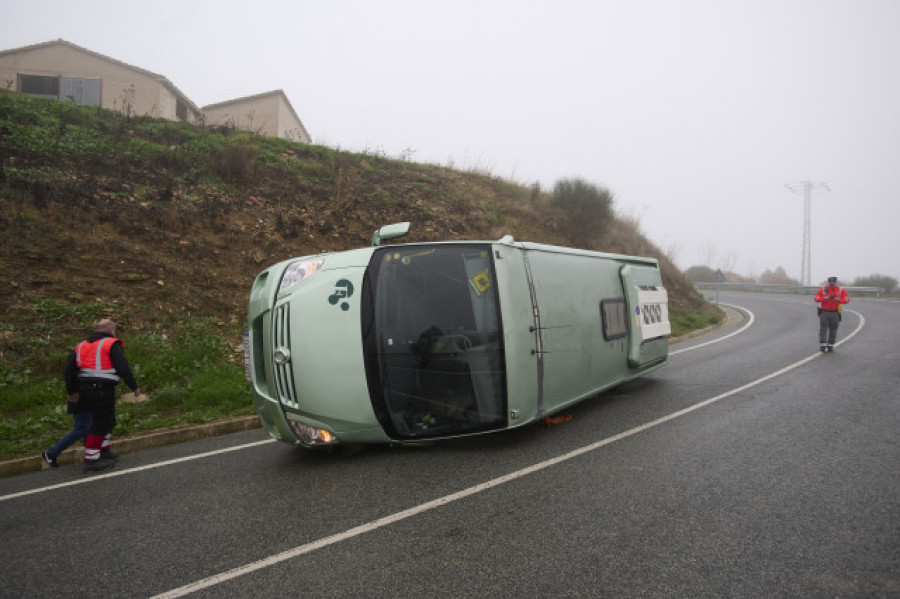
{"x":808,"y":188}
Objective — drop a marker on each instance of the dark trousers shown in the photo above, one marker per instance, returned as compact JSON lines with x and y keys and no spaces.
{"x":102,"y":398}
{"x":828,"y":326}
{"x":80,"y":428}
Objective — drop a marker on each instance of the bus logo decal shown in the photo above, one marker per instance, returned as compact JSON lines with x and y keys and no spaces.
{"x":342,"y":289}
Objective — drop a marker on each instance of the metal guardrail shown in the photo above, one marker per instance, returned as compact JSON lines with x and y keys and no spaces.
{"x":792,"y":289}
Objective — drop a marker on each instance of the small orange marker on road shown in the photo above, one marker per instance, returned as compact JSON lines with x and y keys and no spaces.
{"x":554,"y":420}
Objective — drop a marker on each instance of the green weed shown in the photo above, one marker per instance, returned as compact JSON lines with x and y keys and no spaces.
{"x":685,"y":322}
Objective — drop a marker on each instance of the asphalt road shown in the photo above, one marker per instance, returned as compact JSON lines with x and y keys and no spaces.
{"x":751,"y":465}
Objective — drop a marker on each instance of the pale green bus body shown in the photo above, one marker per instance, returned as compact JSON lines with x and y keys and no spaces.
{"x":420,"y":342}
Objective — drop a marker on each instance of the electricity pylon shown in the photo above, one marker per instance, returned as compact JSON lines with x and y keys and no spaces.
{"x":808,"y":188}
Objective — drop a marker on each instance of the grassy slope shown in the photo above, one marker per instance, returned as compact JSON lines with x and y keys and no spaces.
{"x":163,"y":226}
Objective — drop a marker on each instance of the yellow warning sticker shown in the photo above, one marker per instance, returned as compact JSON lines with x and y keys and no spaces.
{"x":481,"y":282}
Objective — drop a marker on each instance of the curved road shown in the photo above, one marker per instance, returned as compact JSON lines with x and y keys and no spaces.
{"x":751,"y":465}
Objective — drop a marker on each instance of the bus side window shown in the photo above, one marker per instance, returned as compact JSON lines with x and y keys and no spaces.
{"x":615,"y":323}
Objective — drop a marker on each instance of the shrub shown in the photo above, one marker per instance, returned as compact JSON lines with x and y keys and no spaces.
{"x":586,"y":209}
{"x":885,"y":282}
{"x":236,"y":163}
{"x":703,"y":274}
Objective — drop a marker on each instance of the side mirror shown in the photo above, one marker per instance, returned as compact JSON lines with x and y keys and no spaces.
{"x":390,"y":232}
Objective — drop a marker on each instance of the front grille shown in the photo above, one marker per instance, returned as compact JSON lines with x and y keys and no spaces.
{"x":281,"y":357}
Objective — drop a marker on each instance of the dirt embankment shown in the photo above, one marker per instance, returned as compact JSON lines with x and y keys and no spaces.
{"x":176,"y":233}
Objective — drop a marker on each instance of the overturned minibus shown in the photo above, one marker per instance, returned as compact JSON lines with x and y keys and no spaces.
{"x":424,"y":341}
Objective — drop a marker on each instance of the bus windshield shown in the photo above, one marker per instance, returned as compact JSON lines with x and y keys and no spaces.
{"x":433,"y":340}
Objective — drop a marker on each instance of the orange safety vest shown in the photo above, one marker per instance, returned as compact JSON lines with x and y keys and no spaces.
{"x":93,"y":361}
{"x":830,"y":305}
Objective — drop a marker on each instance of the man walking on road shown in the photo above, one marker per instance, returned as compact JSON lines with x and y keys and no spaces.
{"x":93,"y":370}
{"x":831,"y":297}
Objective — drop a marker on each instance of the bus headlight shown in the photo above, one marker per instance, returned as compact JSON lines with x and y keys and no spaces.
{"x":310,"y":435}
{"x":299,"y":271}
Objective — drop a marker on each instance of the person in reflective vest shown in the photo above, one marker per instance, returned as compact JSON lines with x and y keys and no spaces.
{"x":93,"y":370}
{"x":831,"y":298}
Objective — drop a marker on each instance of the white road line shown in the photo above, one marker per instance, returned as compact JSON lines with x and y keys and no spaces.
{"x":740,"y":330}
{"x":446,"y":499}
{"x":113,"y":474}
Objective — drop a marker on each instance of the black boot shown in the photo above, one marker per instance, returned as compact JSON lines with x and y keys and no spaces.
{"x":108,"y":454}
{"x":97,"y":465}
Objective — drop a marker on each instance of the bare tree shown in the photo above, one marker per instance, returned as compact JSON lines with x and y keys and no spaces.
{"x":707,"y":254}
{"x":728,"y":262}
{"x":672,"y":250}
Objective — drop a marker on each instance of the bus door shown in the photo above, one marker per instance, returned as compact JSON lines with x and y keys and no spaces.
{"x":520,"y":337}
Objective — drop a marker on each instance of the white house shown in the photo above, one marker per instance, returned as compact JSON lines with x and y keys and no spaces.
{"x":62,"y":70}
{"x":269,"y":114}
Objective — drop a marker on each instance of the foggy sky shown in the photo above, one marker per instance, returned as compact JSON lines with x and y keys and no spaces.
{"x":694,"y":114}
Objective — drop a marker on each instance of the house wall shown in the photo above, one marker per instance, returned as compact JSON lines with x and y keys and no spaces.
{"x":150,"y":96}
{"x":291,"y":127}
{"x":266,"y":114}
{"x":257,"y":115}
